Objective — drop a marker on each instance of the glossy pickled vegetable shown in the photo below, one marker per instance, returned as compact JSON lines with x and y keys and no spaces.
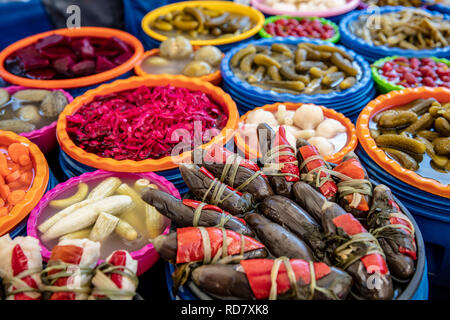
{"x":306,"y":69}
{"x":416,"y":135}
{"x":202,"y":23}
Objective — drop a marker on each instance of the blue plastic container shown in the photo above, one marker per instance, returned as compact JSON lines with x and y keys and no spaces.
{"x":21,"y":229}
{"x":441,"y":8}
{"x":72,"y":168}
{"x":349,"y":102}
{"x":371,"y":52}
{"x":417,"y":289}
{"x":431,"y":213}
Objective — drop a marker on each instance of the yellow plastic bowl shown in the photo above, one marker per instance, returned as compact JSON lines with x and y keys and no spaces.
{"x":256,"y":16}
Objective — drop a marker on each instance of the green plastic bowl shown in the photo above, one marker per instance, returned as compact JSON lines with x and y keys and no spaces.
{"x":333,"y":39}
{"x":385,"y":86}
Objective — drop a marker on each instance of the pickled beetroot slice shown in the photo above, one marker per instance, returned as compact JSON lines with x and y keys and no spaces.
{"x":41,"y":74}
{"x":30,"y":59}
{"x":139,"y":124}
{"x":63,"y":65}
{"x":51,"y":41}
{"x":84,"y":67}
{"x":103,"y":64}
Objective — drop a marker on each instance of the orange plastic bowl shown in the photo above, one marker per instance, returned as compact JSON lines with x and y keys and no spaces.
{"x":166,"y":163}
{"x":215,"y":78}
{"x":74,"y":82}
{"x":352,"y":141}
{"x":387,"y":101}
{"x":37,"y":189}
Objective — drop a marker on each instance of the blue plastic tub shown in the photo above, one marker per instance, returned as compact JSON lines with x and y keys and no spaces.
{"x":72,"y":168}
{"x":431,"y":213}
{"x":417,"y":289}
{"x":21,"y":229}
{"x":441,"y":8}
{"x":371,"y":52}
{"x":349,"y":102}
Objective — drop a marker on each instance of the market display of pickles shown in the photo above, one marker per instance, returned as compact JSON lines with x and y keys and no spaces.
{"x":413,"y":29}
{"x":303,"y":69}
{"x":202,"y":23}
{"x":110,"y":212}
{"x":308,"y":122}
{"x":417,"y":136}
{"x":30,"y":109}
{"x":176,"y":56}
{"x":238,"y":224}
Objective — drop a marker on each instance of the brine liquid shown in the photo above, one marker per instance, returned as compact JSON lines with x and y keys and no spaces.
{"x":426,"y":169}
{"x":113,"y":242}
{"x":10,"y":111}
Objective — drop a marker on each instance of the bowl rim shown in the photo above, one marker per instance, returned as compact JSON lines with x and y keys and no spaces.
{"x":382,"y":82}
{"x":165,"y":163}
{"x":214,"y":77}
{"x":37,"y":189}
{"x":73,"y":82}
{"x":351,"y":4}
{"x":223,"y":5}
{"x":334,"y":39}
{"x":336,"y":157}
{"x":160,"y":181}
{"x":387,"y":101}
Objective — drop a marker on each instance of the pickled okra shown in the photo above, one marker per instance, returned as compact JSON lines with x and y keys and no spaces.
{"x":320,"y":68}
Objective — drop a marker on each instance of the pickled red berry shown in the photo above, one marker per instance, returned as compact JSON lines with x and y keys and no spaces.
{"x":303,"y":28}
{"x":415,"y":72}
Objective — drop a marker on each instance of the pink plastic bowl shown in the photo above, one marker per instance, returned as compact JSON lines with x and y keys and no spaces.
{"x":45,"y":137}
{"x":147,"y":256}
{"x":260,"y":5}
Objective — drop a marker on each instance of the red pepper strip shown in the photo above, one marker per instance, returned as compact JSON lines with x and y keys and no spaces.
{"x":395,"y":220}
{"x":19,"y":264}
{"x":194,"y":204}
{"x":329,"y":188}
{"x":219,"y":154}
{"x":372,"y":262}
{"x":190,"y":244}
{"x":352,"y":168}
{"x":280,"y":139}
{"x":119,"y":258}
{"x":68,"y":254}
{"x":211,"y":176}
{"x":258,"y":274}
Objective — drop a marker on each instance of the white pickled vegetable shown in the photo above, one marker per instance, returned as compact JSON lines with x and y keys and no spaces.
{"x":297,"y":133}
{"x":308,"y":116}
{"x":285,"y":117}
{"x":262,"y":116}
{"x":325,"y":147}
{"x":329,"y":128}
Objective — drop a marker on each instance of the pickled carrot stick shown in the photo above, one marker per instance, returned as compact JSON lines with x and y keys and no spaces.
{"x":2,"y":202}
{"x":4,"y":191}
{"x":16,"y":150}
{"x":4,"y":171}
{"x":16,"y":196}
{"x":3,"y":211}
{"x":15,"y":185}
{"x":13,"y":176}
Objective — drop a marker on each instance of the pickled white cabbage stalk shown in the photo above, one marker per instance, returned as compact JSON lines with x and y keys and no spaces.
{"x":305,"y":5}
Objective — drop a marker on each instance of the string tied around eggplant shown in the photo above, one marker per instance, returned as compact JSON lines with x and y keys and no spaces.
{"x":315,"y":176}
{"x":293,"y":280}
{"x":20,"y":285}
{"x":218,"y":188}
{"x":230,"y":170}
{"x":113,"y":293}
{"x":182,"y":273}
{"x":274,"y":154}
{"x":224,"y":218}
{"x":63,"y":270}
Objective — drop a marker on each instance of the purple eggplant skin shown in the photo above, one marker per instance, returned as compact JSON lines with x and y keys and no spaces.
{"x":166,"y":246}
{"x":198,"y":183}
{"x":183,"y":215}
{"x":288,"y":214}
{"x":400,"y":265}
{"x":344,"y":203}
{"x":230,"y":281}
{"x":365,"y":285}
{"x":278,"y":240}
{"x":266,"y":137}
{"x":309,"y":199}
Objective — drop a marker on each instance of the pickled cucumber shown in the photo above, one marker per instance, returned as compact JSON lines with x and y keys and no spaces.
{"x":401,"y":143}
{"x":405,"y":160}
{"x":397,"y":120}
{"x":442,"y":146}
{"x":442,"y":126}
{"x":4,"y":96}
